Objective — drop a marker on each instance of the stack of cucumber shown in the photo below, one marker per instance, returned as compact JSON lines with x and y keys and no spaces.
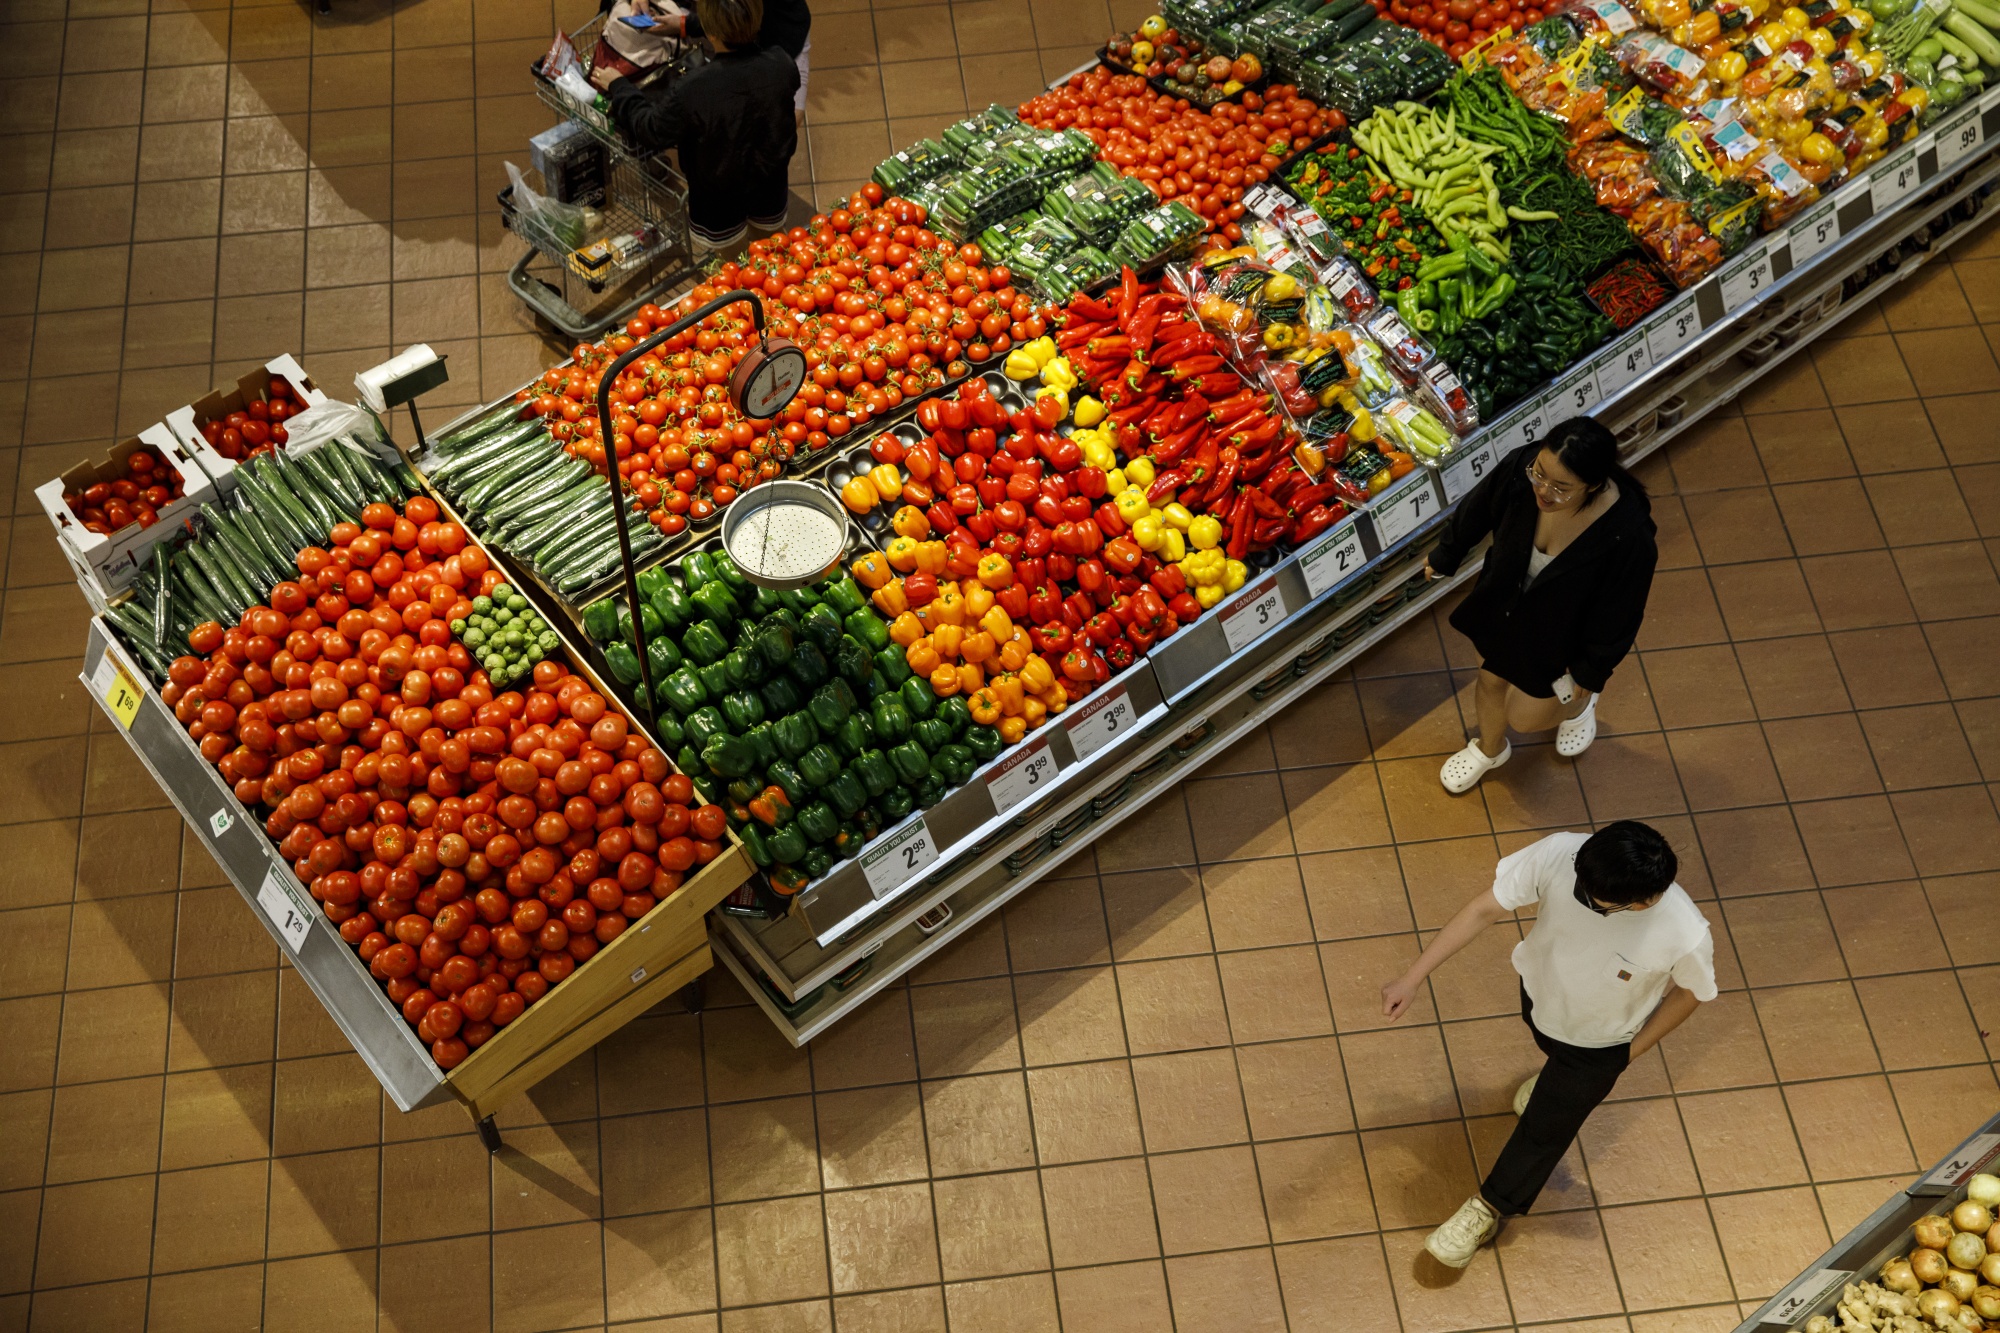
{"x":793,"y":710}
{"x":514,"y":484}
{"x":249,"y":541}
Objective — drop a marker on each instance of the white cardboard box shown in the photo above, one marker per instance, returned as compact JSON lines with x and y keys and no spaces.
{"x":185,"y":422}
{"x":106,"y":566}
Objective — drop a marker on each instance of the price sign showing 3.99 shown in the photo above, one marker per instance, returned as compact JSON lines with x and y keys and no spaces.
{"x":900,"y":858}
{"x":1093,"y":725}
{"x":1256,"y":613}
{"x":1021,"y":775}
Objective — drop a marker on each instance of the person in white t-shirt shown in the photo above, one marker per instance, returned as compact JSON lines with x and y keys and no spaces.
{"x":1617,"y":958}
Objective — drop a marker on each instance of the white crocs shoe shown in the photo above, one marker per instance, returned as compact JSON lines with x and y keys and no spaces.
{"x":1565,"y":688}
{"x":1463,"y":770}
{"x":1473,"y":1225}
{"x":1574,"y":734}
{"x":1522,"y":1093}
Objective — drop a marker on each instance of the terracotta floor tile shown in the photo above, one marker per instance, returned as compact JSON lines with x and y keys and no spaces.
{"x":1490,"y":1058}
{"x":1816,"y":1030}
{"x":1083,"y":1111}
{"x":96,"y":1231}
{"x":1412,"y":715}
{"x":1980,"y":719}
{"x":1743,"y":524}
{"x":1431,"y":1300}
{"x":1850,"y":1127}
{"x":1721,"y":1046}
{"x":1442,"y":875}
{"x":1764,"y":599}
{"x":1862,"y":369}
{"x":1769,"y":1237}
{"x":882,"y":1237}
{"x":758,"y":1150}
{"x":1665,"y":1254}
{"x":1208,"y":1200}
{"x":1356,"y":971}
{"x":1782,"y":938}
{"x":1961,"y":649}
{"x":1233,"y":818}
{"x":1862,"y":917}
{"x":1888,"y":667}
{"x":1190,"y":1100}
{"x":965,"y":1027}
{"x":1156,"y":914}
{"x":1122,"y":1298}
{"x":1330,"y":809}
{"x":1419,"y":1174}
{"x":1962,"y":904}
{"x":1556,"y":1264}
{"x":1858,"y":590}
{"x":1791,"y":387}
{"x":1275,"y":994}
{"x":1071,"y":1015}
{"x":1923,"y":745}
{"x":874,"y":1044}
{"x":867,"y":1136}
{"x":1160,"y":835}
{"x":911,"y":1310}
{"x":1949,"y":580}
{"x":1630,"y":777}
{"x":1342,"y":1283}
{"x":1743,"y":1140}
{"x":1944,"y":361}
{"x":1004,"y":1305}
{"x":1057,"y":923}
{"x":1481,"y":982}
{"x":1540,"y":791}
{"x":1420,"y":808}
{"x":1920,"y":1019}
{"x":187,"y":1301}
{"x":1715,"y":455}
{"x":1324,"y":727}
{"x":1681,"y":610}
{"x":990,"y":1226}
{"x":1636,"y":1152}
{"x":1726,"y":767}
{"x":1847,"y":1204}
{"x":1938,"y":1104}
{"x":1399,"y":1076}
{"x":1804,"y":445}
{"x":1823,"y":756}
{"x":1227,"y":1293}
{"x":1172,"y":1005}
{"x":978,"y":1124}
{"x":1355,"y":893}
{"x":1252,"y":904}
{"x":1853,"y":841}
{"x":1100,"y":1213}
{"x":1753,"y":851}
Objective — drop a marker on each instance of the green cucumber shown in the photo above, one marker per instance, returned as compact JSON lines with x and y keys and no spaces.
{"x":277,"y":517}
{"x":252,"y":523}
{"x":195,"y":591}
{"x":329,"y":479}
{"x":559,"y":478}
{"x":533,"y":539}
{"x":362,"y":475}
{"x":480,"y":495}
{"x":481,"y":425}
{"x":475,"y":459}
{"x":227,"y":594}
{"x":527,"y":520}
{"x":302,"y":518}
{"x":243,"y":554}
{"x":320,"y":505}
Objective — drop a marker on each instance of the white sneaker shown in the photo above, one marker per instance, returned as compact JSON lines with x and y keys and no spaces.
{"x":1522,"y":1093}
{"x":1574,"y":734}
{"x":1565,"y":688}
{"x":1463,"y":770}
{"x":1473,"y":1225}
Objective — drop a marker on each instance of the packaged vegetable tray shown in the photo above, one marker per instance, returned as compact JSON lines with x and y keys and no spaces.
{"x":1081,"y":270}
{"x":972,"y":139}
{"x":1099,"y":202}
{"x":924,"y":160}
{"x":1159,"y":235}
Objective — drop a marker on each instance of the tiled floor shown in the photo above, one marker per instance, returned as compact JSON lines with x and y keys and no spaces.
{"x":1157,"y":1093}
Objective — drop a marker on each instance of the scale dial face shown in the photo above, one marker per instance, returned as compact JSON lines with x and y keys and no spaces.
{"x":767,"y":378}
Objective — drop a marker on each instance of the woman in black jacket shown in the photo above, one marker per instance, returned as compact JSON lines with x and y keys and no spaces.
{"x":1561,"y":595}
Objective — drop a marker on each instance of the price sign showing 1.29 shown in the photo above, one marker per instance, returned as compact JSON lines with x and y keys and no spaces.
{"x":1334,"y":559}
{"x":900,"y":858}
{"x":1093,"y":726}
{"x":277,"y":903}
{"x":1256,"y":613}
{"x":1021,"y":775}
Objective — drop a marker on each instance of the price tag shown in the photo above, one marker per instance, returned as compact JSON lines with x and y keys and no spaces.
{"x":1021,"y":774}
{"x":221,"y":822}
{"x":1625,"y":365}
{"x":1262,"y":200}
{"x":1806,"y":1291}
{"x":1896,"y":178}
{"x":1749,"y":280}
{"x":113,"y":686}
{"x":1572,"y":399}
{"x":1958,"y":139}
{"x":1404,"y":510}
{"x":275,"y":900}
{"x":1814,"y":232}
{"x":1530,"y":426}
{"x":1333,"y":559}
{"x":1673,"y":328}
{"x":1105,"y":716}
{"x":1254,"y":614}
{"x":1468,"y":468}
{"x":899,"y":858}
{"x":1961,"y":1165}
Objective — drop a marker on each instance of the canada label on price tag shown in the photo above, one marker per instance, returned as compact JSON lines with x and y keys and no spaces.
{"x":1093,"y":725}
{"x":1021,"y":774}
{"x":1748,"y":280}
{"x":1961,"y":1165}
{"x":1468,"y":467}
{"x":113,"y":686}
{"x":1333,"y":559}
{"x":1958,"y":138}
{"x":1803,"y":1294}
{"x":1896,"y":178}
{"x":276,"y":902}
{"x":1623,"y":365}
{"x":899,"y":858}
{"x":1254,"y":614}
{"x":1404,"y":509}
{"x":1814,"y":232}
{"x":1671,"y":329}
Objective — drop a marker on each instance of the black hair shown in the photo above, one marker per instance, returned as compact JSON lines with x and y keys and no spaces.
{"x":734,"y":23}
{"x":1589,"y":449}
{"x":1625,"y":862}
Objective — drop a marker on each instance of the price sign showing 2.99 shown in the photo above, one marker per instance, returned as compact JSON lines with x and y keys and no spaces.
{"x":899,"y":858}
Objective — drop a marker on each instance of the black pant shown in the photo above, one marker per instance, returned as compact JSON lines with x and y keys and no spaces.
{"x":1572,"y":1082}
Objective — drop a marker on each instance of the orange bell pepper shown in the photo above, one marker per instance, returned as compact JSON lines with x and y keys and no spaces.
{"x":859,"y":495}
{"x":905,"y":630}
{"x":1056,"y":700}
{"x":931,"y":557}
{"x":944,"y":681}
{"x":1013,"y":654}
{"x":1007,"y":692}
{"x":948,"y":609}
{"x":871,"y":570}
{"x":997,"y":623}
{"x":1036,"y":674}
{"x":949,"y":640}
{"x":922,"y":657}
{"x":1034,"y":711}
{"x":978,"y":647}
{"x":909,"y":521}
{"x":890,"y":599}
{"x":1012,"y":729}
{"x":995,"y":571}
{"x":970,"y":677}
{"x":901,"y":554}
{"x":984,"y":707}
{"x":978,"y":597}
{"x":887,"y":481}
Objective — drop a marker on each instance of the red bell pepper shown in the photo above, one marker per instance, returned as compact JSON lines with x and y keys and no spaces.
{"x":942,"y":516}
{"x":1184,"y":606}
{"x":1006,"y":544}
{"x":1120,"y":655}
{"x":1036,"y":540}
{"x":920,"y":589}
{"x":990,"y":489}
{"x":1120,"y":611}
{"x":1062,"y":567}
{"x":1021,"y":488}
{"x":1076,"y":665}
{"x":964,"y":500}
{"x":1013,"y":599}
{"x":1122,"y":554}
{"x":1090,"y":575}
{"x":1089,"y":483}
{"x":1047,"y":510}
{"x":984,"y":411}
{"x":1044,"y":604}
{"x":1142,"y":637}
{"x":952,"y":414}
{"x":1078,"y":608}
{"x":1063,"y":454}
{"x":1103,"y":628}
{"x":981,"y":440}
{"x":1075,"y":508}
{"x":1169,"y":581}
{"x":1049,"y":412}
{"x":1109,"y":521}
{"x":1150,"y":609}
{"x":929,"y":415}
{"x":1053,"y":639}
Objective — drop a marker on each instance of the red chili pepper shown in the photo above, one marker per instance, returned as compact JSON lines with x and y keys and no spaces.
{"x":1165,"y":485}
{"x":1239,"y":531}
{"x":1091,"y":307}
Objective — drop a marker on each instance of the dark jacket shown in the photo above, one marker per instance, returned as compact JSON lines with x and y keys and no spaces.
{"x":1583,"y":613}
{"x":787,"y":23}
{"x":731,"y":118}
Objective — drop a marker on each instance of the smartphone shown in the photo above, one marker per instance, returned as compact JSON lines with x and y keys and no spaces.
{"x":640,"y":21}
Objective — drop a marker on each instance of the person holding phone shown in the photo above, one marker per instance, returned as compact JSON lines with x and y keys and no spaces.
{"x":731,"y":118}
{"x":1618,"y":957}
{"x":1559,"y":600}
{"x":786,"y":23}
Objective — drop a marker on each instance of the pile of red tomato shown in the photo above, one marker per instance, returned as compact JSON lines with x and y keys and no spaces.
{"x":473,"y":847}
{"x":1206,"y":159}
{"x":256,"y":426}
{"x":148,"y":486}
{"x":1458,"y":25}
{"x":885,"y":309}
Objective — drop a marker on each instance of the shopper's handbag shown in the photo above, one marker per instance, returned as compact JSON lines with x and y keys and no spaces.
{"x":639,"y":36}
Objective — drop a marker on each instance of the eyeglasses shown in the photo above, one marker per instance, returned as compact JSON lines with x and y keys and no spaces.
{"x":1557,"y":490}
{"x":1600,"y":908}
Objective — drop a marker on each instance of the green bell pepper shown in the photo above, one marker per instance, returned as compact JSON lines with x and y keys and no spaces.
{"x":727,"y":756}
{"x":682,"y":691}
{"x":918,"y":697}
{"x":725,"y":569}
{"x":912,"y":764}
{"x":600,"y":619}
{"x":954,"y":713}
{"x":649,"y":623}
{"x":774,"y":642}
{"x":754,"y":843}
{"x":868,"y":627}
{"x":703,"y":642}
{"x":852,"y":660}
{"x":664,"y":656}
{"x":872,"y":767}
{"x":821,"y":625}
{"x":743,"y":709}
{"x":892,"y":719}
{"x":933,"y":733}
{"x":746,"y":667}
{"x":740,"y":792}
{"x":849,"y":840}
{"x":697,"y":568}
{"x":954,"y":763}
{"x":651,"y":580}
{"x":688,"y":761}
{"x":820,"y":764}
{"x":715,"y":602}
{"x":667,"y":725}
{"x":715,"y":679}
{"x":817,"y":821}
{"x":982,"y":740}
{"x":622,"y":662}
{"x":785,"y":776}
{"x":808,"y":665}
{"x":831,"y":704}
{"x":879,"y":685}
{"x":763,"y":601}
{"x":761,"y":741}
{"x":854,"y":735}
{"x":818,"y":860}
{"x":897,"y":802}
{"x":845,"y":794}
{"x":705,"y":722}
{"x":670,"y":603}
{"x":781,"y":696}
{"x":932,"y":790}
{"x":799,"y":600}
{"x":787,"y":845}
{"x":795,"y":733}
{"x":893,"y":664}
{"x":844,"y":594}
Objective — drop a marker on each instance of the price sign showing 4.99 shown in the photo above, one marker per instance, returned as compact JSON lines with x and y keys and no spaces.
{"x":1022,"y":774}
{"x":1896,"y":178}
{"x":899,"y":858}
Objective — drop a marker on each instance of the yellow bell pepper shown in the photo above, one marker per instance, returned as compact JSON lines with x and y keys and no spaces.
{"x":1007,"y":692}
{"x":931,"y":557}
{"x":945,"y":681}
{"x":1034,"y":711}
{"x":1055,"y":391}
{"x":1088,"y":411}
{"x":1362,"y":429}
{"x":977,"y":647}
{"x":1042,"y":350}
{"x":921,"y":657}
{"x":1114,"y":481}
{"x":901,"y":553}
{"x":1037,"y":674}
{"x":1177,"y":516}
{"x":978,"y":597}
{"x":872,"y":570}
{"x":1205,"y":532}
{"x":909,"y":521}
{"x":860,"y":495}
{"x":949,"y":608}
{"x":905,"y":629}
{"x":995,"y":571}
{"x":1014,"y":652}
{"x":995,"y":621}
{"x":970,"y":677}
{"x":1012,"y":729}
{"x":1149,"y":532}
{"x":1140,"y":472}
{"x":1233,"y":574}
{"x":1207,"y":594}
{"x":1173,"y":545}
{"x":947,"y":639}
{"x":1132,"y":504}
{"x":1098,"y":454}
{"x":1055,"y":701}
{"x":1019,"y":365}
